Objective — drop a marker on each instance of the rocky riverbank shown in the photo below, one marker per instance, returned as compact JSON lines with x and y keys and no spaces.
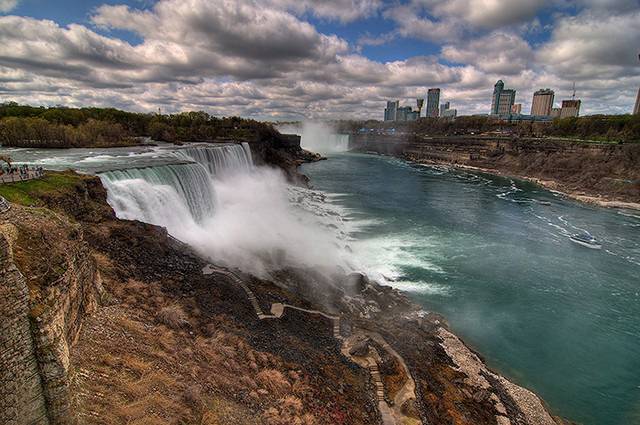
{"x":602,"y":174}
{"x":146,"y":331}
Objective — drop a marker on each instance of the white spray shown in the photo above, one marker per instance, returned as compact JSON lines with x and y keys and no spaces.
{"x":318,"y":137}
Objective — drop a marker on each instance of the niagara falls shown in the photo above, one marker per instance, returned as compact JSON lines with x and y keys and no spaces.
{"x":337,"y":212}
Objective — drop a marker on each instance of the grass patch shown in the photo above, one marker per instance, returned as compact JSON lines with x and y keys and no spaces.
{"x":29,"y":192}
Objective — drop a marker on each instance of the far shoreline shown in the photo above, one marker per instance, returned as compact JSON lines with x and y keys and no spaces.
{"x":550,"y":185}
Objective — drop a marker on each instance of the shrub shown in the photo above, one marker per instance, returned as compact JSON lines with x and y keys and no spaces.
{"x":173,"y":317}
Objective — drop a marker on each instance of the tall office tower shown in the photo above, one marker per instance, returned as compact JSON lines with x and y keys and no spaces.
{"x":570,"y":108}
{"x":433,"y":99}
{"x":391,"y":111}
{"x":542,"y":103}
{"x":505,"y":101}
{"x":495,"y":100}
{"x":636,"y":109}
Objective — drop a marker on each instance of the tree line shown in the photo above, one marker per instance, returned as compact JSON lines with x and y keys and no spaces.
{"x":611,"y":128}
{"x":61,"y":127}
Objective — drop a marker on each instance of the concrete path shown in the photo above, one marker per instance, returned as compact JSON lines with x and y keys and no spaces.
{"x":391,"y":415}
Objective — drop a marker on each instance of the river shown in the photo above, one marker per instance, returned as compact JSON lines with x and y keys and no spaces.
{"x":492,"y":255}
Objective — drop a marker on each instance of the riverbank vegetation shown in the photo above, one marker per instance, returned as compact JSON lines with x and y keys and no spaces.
{"x":61,"y":127}
{"x":31,"y":192}
{"x":600,"y":128}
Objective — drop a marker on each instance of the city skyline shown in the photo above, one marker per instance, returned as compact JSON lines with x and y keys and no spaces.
{"x":283,"y":59}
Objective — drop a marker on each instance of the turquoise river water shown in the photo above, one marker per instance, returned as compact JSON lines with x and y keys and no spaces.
{"x":493,"y":256}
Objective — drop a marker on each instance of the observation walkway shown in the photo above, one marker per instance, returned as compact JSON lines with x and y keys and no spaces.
{"x":19,"y":177}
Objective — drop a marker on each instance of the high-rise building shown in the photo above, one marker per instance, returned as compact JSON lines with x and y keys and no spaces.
{"x":507,"y":100}
{"x":444,"y":107}
{"x":446,"y":111}
{"x":391,"y":111}
{"x":495,"y":100}
{"x":450,"y":113}
{"x":403,"y":113}
{"x":516,"y":108}
{"x":433,"y":99}
{"x":636,"y":109}
{"x":502,"y":100}
{"x":542,"y":103}
{"x":570,"y":108}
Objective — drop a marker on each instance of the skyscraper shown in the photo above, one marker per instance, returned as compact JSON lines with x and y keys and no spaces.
{"x":433,"y":99}
{"x":502,"y":100}
{"x":570,"y":108}
{"x":516,"y":108}
{"x":444,"y":107}
{"x":391,"y":111}
{"x":636,"y":109}
{"x":507,"y":99}
{"x":495,"y":100}
{"x":542,"y":103}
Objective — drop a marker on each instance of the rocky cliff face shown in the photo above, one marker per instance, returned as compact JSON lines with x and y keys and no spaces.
{"x":283,"y":151}
{"x":609,"y":171}
{"x":21,"y":393}
{"x":50,"y":284}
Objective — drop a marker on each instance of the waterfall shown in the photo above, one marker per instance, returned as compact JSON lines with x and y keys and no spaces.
{"x":176,"y":195}
{"x":153,"y":193}
{"x":318,"y":137}
{"x":219,"y":159}
{"x":214,"y":199}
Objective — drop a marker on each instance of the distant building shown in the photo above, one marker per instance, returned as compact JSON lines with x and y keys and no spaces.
{"x":542,"y":103}
{"x":395,"y":112}
{"x":447,"y":112}
{"x":402,"y":113}
{"x":444,"y":107}
{"x":502,"y":100}
{"x":516,"y":108}
{"x":391,"y":111}
{"x":405,"y":113}
{"x":433,"y":99}
{"x":450,"y":113}
{"x":570,"y":108}
{"x":636,"y":109}
{"x":413,"y":115}
{"x":555,"y":112}
{"x":420,"y":104}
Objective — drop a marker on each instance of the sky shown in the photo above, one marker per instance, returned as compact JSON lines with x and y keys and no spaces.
{"x":316,"y":59}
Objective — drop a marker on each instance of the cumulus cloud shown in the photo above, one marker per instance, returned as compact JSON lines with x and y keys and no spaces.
{"x":439,"y":20}
{"x":265,"y":59}
{"x":341,"y":10}
{"x":8,"y":5}
{"x":593,"y":46}
{"x":499,"y":53}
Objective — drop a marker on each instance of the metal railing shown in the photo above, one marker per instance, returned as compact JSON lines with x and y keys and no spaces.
{"x":18,"y":177}
{"x":4,"y":205}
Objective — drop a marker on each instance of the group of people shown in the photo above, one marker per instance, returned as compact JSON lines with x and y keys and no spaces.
{"x":23,"y":171}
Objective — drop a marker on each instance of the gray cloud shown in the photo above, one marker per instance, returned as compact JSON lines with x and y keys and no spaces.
{"x":262,"y":59}
{"x":8,"y":5}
